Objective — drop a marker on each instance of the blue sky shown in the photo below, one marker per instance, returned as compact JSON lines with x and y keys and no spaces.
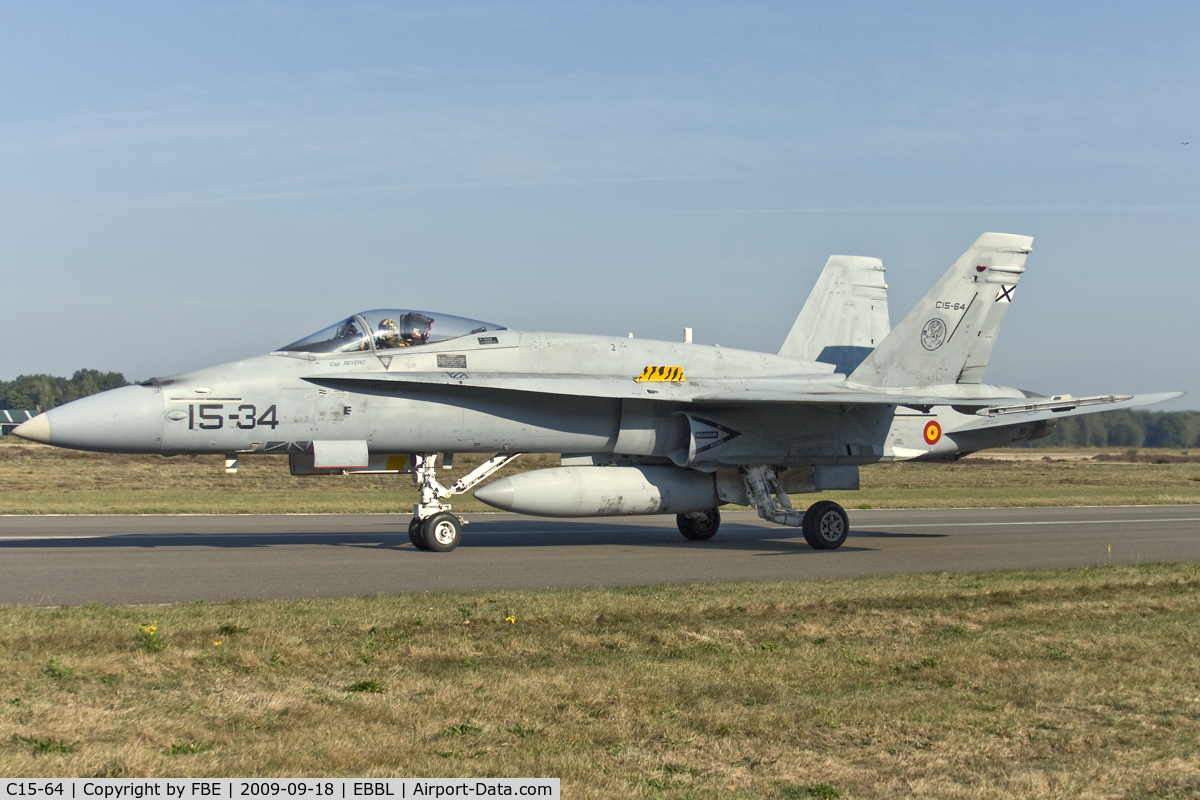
{"x":187,"y":183}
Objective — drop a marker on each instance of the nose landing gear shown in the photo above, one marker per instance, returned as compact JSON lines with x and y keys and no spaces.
{"x":433,"y":527}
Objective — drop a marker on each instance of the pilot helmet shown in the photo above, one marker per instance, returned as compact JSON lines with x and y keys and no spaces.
{"x":388,"y":324}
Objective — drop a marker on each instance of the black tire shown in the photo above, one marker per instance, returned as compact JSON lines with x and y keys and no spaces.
{"x":699,"y":525}
{"x":826,"y":525}
{"x":442,"y":532}
{"x":416,"y":534}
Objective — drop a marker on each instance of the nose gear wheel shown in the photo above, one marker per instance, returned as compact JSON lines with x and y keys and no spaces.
{"x":415,"y":534}
{"x":442,"y":532}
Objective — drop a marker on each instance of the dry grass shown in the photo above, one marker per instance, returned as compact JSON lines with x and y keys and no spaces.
{"x":35,"y":479}
{"x":1080,"y":683}
{"x":1049,"y":481}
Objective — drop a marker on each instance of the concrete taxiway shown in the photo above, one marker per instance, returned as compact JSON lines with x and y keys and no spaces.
{"x":157,"y":559}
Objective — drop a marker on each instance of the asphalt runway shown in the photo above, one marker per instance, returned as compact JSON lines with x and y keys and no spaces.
{"x":70,"y":560}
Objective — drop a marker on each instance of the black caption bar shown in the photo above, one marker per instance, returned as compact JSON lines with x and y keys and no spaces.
{"x":239,"y":788}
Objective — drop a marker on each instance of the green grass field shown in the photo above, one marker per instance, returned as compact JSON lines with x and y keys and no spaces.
{"x":36,"y":479}
{"x":1076,"y":683}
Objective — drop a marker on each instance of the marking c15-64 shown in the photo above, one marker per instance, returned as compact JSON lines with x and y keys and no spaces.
{"x":214,"y":421}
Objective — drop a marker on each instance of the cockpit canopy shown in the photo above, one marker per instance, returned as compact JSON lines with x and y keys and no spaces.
{"x":387,"y":329}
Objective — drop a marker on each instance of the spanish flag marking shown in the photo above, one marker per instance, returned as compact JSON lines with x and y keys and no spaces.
{"x":933,"y":432}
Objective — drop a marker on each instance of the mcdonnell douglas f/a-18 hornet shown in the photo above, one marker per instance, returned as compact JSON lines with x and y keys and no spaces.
{"x":643,"y":427}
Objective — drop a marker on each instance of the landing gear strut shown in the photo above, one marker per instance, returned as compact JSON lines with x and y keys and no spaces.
{"x":767,"y":495}
{"x":433,"y":527}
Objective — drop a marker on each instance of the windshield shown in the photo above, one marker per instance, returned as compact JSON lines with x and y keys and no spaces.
{"x":343,"y":337}
{"x":387,"y":329}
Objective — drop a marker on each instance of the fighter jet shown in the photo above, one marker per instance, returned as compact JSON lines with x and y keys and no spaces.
{"x":643,"y":427}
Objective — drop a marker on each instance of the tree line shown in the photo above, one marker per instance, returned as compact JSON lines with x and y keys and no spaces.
{"x":44,"y":392}
{"x":1174,"y":429}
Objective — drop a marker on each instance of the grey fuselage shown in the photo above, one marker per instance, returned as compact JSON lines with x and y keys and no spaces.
{"x":275,"y":403}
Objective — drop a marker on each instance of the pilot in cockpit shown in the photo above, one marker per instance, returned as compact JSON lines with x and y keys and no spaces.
{"x":388,"y":335}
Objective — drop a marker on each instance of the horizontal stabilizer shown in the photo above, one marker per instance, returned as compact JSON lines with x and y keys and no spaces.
{"x":1052,"y":408}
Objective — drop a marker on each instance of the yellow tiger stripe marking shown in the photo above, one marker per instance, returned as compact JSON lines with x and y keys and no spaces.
{"x":661,"y":375}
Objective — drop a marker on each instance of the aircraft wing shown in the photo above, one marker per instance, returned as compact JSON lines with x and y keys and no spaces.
{"x":1041,"y":408}
{"x":703,"y":391}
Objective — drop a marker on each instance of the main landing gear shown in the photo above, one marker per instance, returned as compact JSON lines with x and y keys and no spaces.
{"x":699,"y":525}
{"x":433,"y":527}
{"x":825,"y":524}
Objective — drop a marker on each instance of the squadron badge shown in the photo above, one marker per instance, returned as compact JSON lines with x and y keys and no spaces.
{"x":933,"y":334}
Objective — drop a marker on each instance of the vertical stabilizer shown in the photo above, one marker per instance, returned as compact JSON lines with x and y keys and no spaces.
{"x":845,"y":316}
{"x":949,"y":335}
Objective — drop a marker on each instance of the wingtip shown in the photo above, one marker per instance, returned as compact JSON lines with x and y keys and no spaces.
{"x":1156,"y":398}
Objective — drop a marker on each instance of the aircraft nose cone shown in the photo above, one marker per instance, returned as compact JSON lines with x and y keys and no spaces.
{"x":35,"y":430}
{"x":497,"y":494}
{"x":124,"y":420}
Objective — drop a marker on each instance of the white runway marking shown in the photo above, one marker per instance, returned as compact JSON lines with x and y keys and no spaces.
{"x":1032,"y":522}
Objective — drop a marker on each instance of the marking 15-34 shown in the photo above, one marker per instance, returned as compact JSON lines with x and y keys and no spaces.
{"x":247,"y":417}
